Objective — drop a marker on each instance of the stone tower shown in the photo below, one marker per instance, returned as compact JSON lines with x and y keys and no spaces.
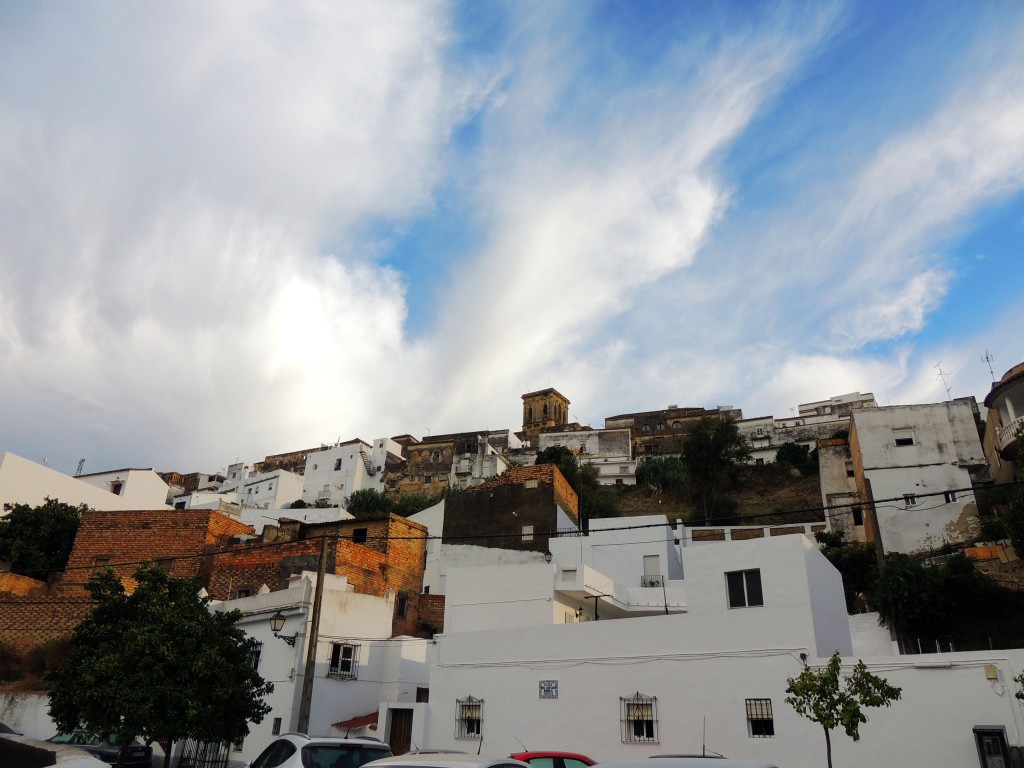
{"x":544,"y":408}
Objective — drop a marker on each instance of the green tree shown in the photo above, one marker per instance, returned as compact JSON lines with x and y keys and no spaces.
{"x":711,"y":454}
{"x":826,"y":698}
{"x":158,"y":664}
{"x":855,"y":561}
{"x":368,"y":503}
{"x":594,"y":501}
{"x":664,"y":472}
{"x":38,"y":540}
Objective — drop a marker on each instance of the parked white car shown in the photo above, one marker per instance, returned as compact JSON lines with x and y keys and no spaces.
{"x":448,"y":760}
{"x":297,"y":750}
{"x":686,"y":761}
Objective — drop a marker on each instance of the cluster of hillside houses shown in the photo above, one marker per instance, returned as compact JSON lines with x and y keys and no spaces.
{"x":492,"y":620}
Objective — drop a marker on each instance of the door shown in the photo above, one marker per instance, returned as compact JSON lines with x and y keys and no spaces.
{"x":400,"y":735}
{"x":992,"y":749}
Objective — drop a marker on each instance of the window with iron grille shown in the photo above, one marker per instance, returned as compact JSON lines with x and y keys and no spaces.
{"x":344,"y":661}
{"x":760,"y":724}
{"x":639,"y":717}
{"x":254,"y":655}
{"x":469,"y":718}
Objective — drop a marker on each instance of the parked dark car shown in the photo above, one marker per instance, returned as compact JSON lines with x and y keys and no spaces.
{"x":102,"y":748}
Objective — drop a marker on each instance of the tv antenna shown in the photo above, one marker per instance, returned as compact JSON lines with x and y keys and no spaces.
{"x":987,"y":358}
{"x":81,"y":463}
{"x":942,"y":375}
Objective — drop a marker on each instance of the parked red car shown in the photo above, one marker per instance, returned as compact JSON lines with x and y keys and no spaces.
{"x":554,"y":759}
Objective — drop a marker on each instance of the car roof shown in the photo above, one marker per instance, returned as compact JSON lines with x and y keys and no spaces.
{"x":447,"y":760}
{"x":550,"y":753}
{"x":688,"y":761}
{"x":366,"y":741}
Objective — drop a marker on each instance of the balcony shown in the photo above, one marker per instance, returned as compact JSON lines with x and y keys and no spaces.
{"x":652,"y":581}
{"x":1008,"y":434}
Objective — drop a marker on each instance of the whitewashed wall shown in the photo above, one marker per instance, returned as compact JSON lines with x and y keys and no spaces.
{"x":25,"y":482}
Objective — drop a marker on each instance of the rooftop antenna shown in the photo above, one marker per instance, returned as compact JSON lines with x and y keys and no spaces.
{"x":942,"y":375}
{"x":81,"y":463}
{"x":987,"y":358}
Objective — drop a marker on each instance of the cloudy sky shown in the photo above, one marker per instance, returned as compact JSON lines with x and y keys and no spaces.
{"x":237,"y":228}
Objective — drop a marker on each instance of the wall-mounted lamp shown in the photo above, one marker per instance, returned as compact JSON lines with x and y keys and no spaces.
{"x":547,"y":557}
{"x":803,"y":657}
{"x":277,"y":624}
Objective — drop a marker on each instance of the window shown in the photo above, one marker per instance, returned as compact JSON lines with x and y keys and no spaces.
{"x":744,"y":588}
{"x":760,"y":724}
{"x":344,"y":661}
{"x":243,"y":592}
{"x":903,"y":436}
{"x":527,"y":533}
{"x":179,"y":504}
{"x":949,"y":496}
{"x":254,"y":655}
{"x":849,"y":469}
{"x":422,"y":695}
{"x":645,"y":428}
{"x":359,"y":535}
{"x":116,"y":487}
{"x":238,"y":745}
{"x":623,"y":470}
{"x":337,"y":464}
{"x":858,"y":516}
{"x":910,"y":499}
{"x":760,"y":431}
{"x":402,"y":607}
{"x":661,"y":425}
{"x":469,"y":718}
{"x":275,"y":729}
{"x":532,"y":483}
{"x":639,"y":718}
{"x":677,"y":425}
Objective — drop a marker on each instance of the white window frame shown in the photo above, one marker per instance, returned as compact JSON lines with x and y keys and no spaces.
{"x":749,"y":582}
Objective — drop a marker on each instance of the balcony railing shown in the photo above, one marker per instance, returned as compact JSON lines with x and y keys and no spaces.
{"x":652,"y":581}
{"x":1009,"y":433}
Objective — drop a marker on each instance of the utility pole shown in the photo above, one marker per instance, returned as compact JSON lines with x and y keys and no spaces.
{"x":314,"y":633}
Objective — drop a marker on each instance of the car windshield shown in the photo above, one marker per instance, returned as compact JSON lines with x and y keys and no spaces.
{"x":340,"y":755}
{"x":78,"y":737}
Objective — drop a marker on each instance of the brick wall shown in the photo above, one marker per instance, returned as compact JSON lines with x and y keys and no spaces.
{"x":431,"y":610}
{"x":378,"y":556}
{"x":494,"y":514}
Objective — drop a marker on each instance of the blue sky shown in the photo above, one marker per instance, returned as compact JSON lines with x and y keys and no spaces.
{"x":235,"y":229}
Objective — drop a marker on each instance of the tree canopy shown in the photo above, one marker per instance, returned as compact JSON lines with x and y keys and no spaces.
{"x":156,"y":663}
{"x":594,"y":500}
{"x":825,"y":697}
{"x":710,"y":456}
{"x":37,"y":540}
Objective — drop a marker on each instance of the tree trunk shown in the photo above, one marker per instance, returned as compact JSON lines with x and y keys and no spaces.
{"x":828,"y":748}
{"x":167,"y":753}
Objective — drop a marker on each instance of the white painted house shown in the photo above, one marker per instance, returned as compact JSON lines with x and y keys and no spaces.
{"x":509,"y":671}
{"x":358,"y":663}
{"x":334,"y":473}
{"x":610,"y":451}
{"x":26,"y":482}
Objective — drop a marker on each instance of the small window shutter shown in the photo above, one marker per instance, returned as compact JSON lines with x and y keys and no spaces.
{"x":736,"y":596}
{"x":754,"y":596}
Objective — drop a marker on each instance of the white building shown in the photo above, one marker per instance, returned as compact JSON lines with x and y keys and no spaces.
{"x":26,"y":482}
{"x":509,"y":670}
{"x":334,"y":473}
{"x":358,"y":664}
{"x":815,"y":421}
{"x":915,"y":464}
{"x":609,"y":450}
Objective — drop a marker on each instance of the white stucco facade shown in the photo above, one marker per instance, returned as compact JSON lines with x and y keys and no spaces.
{"x":336,"y":472}
{"x":608,"y":450}
{"x":26,"y":482}
{"x":377,"y":668}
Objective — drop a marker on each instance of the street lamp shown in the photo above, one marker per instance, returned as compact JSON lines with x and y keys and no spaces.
{"x":277,"y":624}
{"x":547,"y":557}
